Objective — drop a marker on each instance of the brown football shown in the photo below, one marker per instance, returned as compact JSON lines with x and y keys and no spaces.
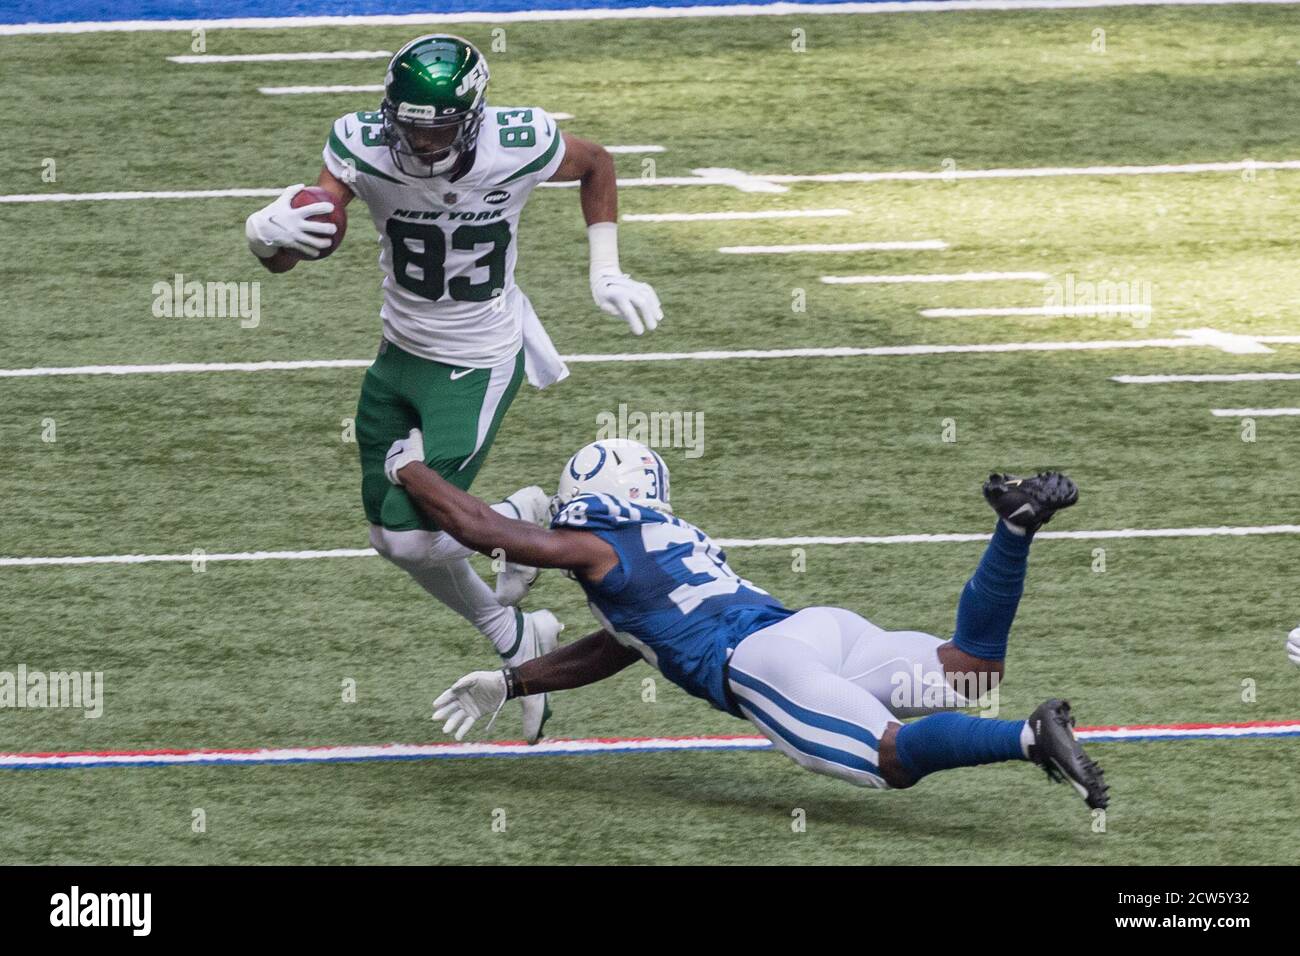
{"x":338,"y":215}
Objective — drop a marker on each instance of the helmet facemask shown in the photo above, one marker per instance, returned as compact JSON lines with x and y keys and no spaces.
{"x":401,"y":121}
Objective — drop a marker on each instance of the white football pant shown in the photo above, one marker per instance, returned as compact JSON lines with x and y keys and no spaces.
{"x":823,"y":684}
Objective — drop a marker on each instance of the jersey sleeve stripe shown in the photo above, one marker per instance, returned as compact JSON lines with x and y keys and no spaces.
{"x":342,"y":152}
{"x":537,"y":164}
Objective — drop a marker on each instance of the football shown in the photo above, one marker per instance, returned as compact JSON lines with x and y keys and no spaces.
{"x":338,"y":215}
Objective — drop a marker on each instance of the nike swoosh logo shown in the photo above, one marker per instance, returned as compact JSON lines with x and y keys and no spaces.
{"x":346,"y":132}
{"x":461,"y":373}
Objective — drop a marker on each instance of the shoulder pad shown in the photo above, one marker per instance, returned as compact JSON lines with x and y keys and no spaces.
{"x":528,"y":139}
{"x":353,"y":148}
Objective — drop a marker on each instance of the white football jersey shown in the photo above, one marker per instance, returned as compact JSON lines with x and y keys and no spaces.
{"x":448,"y":249}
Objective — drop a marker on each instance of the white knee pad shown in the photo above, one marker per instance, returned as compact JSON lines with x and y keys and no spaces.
{"x":418,"y":548}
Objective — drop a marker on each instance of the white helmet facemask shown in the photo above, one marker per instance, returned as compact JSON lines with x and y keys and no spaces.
{"x":618,"y":467}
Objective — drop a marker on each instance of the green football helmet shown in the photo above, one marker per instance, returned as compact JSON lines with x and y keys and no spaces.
{"x":434,"y":96}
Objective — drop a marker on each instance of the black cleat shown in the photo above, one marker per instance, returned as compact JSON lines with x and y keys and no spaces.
{"x":1030,"y":503}
{"x":1056,"y":750}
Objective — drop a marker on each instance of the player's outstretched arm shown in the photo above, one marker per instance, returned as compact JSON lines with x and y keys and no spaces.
{"x":276,"y":231}
{"x":615,"y":292}
{"x":474,"y":524}
{"x":583,"y":662}
{"x":577,"y":664}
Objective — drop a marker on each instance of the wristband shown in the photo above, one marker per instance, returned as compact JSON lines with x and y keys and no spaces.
{"x":514,"y":687}
{"x":602,"y":239}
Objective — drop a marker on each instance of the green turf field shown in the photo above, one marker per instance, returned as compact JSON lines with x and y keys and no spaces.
{"x":254,"y":654}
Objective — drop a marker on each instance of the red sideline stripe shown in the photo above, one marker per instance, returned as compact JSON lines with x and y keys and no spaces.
{"x":1248,"y":723}
{"x":181,"y":752}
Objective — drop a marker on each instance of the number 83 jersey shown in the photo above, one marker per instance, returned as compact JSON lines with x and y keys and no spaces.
{"x":672,"y":595}
{"x":448,"y":246}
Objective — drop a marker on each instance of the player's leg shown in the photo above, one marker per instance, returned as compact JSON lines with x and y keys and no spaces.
{"x":819,"y":684}
{"x":991,"y":597}
{"x":915,"y":673}
{"x":785,"y":679}
{"x":803,"y":683}
{"x":459,"y":412}
{"x":402,"y":391}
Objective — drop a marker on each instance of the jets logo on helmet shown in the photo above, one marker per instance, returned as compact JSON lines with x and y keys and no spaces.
{"x":618,"y":467}
{"x":476,"y":79}
{"x":434,"y":98}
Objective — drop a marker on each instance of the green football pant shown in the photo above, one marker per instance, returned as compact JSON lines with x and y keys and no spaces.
{"x":459,"y":411}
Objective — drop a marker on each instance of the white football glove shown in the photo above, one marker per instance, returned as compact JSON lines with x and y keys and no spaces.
{"x":476,"y":694}
{"x":281,"y":226}
{"x":615,"y":291}
{"x":621,"y":295}
{"x":1293,"y":646}
{"x":402,"y":452}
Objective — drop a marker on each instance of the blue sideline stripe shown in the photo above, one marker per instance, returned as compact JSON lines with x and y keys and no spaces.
{"x":73,"y":11}
{"x":756,"y":745}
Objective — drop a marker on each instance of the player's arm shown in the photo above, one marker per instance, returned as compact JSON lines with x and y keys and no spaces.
{"x":615,"y":291}
{"x":585,"y":661}
{"x":276,"y":229}
{"x":474,"y":524}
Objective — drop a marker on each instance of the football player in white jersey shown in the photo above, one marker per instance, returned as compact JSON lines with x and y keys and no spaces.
{"x":445,"y":178}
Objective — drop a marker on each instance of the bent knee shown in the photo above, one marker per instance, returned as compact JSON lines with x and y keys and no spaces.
{"x":958,"y":662}
{"x":413,"y":548}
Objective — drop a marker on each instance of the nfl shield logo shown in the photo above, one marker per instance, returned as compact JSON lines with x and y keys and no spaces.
{"x":449,"y":198}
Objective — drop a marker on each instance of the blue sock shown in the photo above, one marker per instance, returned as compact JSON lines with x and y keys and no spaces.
{"x":944,"y":741}
{"x":988,"y":602}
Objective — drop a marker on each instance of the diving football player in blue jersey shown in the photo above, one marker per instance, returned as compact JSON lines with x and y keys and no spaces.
{"x":825,"y":685}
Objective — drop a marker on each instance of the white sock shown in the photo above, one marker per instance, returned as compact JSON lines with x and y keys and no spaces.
{"x":439,"y":564}
{"x":1026,"y":739}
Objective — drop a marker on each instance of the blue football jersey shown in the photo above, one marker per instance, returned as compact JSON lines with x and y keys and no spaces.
{"x":672,"y":595}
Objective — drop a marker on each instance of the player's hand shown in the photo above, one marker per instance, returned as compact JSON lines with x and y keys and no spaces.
{"x":476,"y":694}
{"x":402,"y":452}
{"x":621,"y":295}
{"x":1293,"y":646}
{"x":281,"y":226}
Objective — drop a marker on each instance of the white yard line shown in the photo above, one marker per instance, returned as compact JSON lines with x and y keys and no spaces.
{"x":131,"y":195}
{"x":205,"y":58}
{"x":1184,"y":338}
{"x":729,"y":216}
{"x":918,"y":244}
{"x":603,"y":13}
{"x":635,"y":149}
{"x":930,"y":175}
{"x":1253,"y":412}
{"x":309,"y":90}
{"x":790,"y":542}
{"x":183,"y":367}
{"x":1208,"y":377}
{"x":708,"y":176}
{"x":1089,"y":311}
{"x":937,"y":277}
